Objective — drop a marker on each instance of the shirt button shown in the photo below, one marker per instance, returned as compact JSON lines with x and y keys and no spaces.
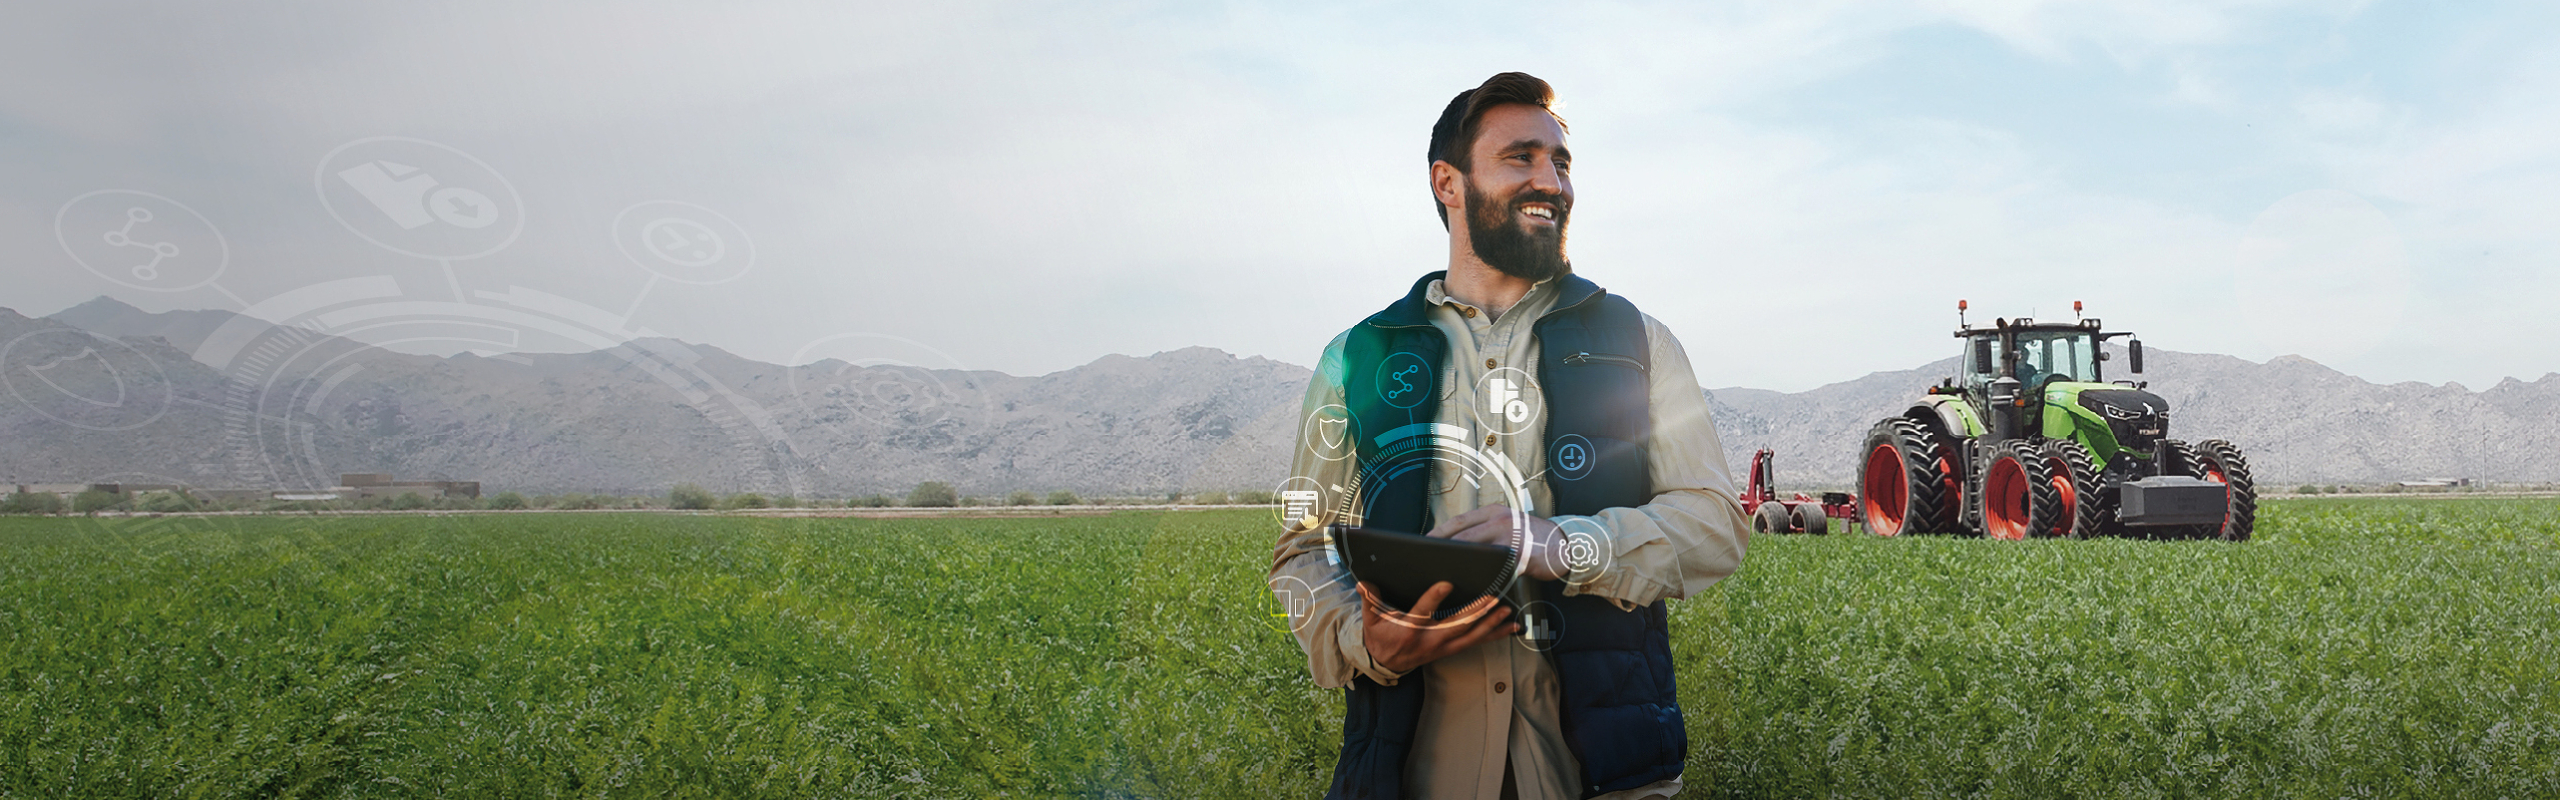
{"x":1499,"y":686}
{"x":1471,"y":313}
{"x":1488,"y":440}
{"x":1488,"y":363}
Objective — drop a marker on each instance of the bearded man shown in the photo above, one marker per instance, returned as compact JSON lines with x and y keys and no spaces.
{"x":1593,"y":457}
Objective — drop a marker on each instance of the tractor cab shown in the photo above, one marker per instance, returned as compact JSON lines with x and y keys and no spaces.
{"x":2064,"y":353}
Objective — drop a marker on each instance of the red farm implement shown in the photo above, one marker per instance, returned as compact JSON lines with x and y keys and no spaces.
{"x":1801,"y":514}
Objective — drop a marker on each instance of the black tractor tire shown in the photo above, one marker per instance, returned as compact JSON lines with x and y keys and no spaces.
{"x":1907,"y":480}
{"x":1810,"y":519}
{"x":2019,"y":495}
{"x":2079,"y":484}
{"x":2221,"y":462}
{"x":1772,"y":518}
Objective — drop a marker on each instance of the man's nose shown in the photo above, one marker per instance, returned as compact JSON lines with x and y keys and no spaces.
{"x":1545,"y":177}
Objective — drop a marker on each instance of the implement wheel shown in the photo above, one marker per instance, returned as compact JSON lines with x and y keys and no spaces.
{"x":1906,"y":480}
{"x":1772,"y":518}
{"x":2219,"y":461}
{"x":1810,"y":519}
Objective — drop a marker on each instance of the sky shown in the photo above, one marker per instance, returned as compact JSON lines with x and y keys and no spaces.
{"x":1801,"y":191}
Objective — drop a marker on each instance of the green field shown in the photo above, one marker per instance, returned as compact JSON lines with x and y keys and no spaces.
{"x":2357,"y":648}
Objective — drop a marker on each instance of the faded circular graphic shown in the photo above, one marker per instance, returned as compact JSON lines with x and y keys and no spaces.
{"x":1509,"y":402}
{"x":1294,"y":603}
{"x":1423,"y":446}
{"x":1587,"y":553}
{"x":683,"y":242}
{"x":1570,"y":457}
{"x":1300,"y":504}
{"x":1541,"y":625}
{"x":1404,"y":381}
{"x":85,"y":380}
{"x":1331,"y":433}
{"x":913,"y":395}
{"x":141,"y":240}
{"x":307,"y":399}
{"x":419,"y":198}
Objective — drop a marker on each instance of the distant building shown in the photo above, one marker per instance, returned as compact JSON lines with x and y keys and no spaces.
{"x":2437,"y":483}
{"x":362,"y":485}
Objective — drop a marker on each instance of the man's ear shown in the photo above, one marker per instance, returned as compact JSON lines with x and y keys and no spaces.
{"x":1450,"y":186}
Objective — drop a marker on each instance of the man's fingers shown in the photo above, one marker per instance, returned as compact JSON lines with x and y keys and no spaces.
{"x":1430,"y":600}
{"x":1470,"y":519}
{"x":1494,"y":625}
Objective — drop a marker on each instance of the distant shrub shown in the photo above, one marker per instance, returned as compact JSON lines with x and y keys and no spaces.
{"x":974,"y":501}
{"x":689,"y":497}
{"x":1254,"y":497}
{"x":1021,"y":497}
{"x":869,"y":501}
{"x":505,"y":501}
{"x":1210,"y":498}
{"x":2307,"y":489}
{"x":94,"y":501}
{"x":165,"y":502}
{"x":32,"y":503}
{"x":933,"y":494}
{"x":577,"y":502}
{"x":408,"y":501}
{"x":745,"y":500}
{"x":786,"y":501}
{"x":1063,"y":497}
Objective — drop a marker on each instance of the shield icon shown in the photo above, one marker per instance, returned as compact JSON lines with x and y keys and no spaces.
{"x":74,"y":370}
{"x":1332,"y":428}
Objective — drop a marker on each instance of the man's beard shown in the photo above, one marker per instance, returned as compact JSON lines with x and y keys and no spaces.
{"x":1503,"y":242}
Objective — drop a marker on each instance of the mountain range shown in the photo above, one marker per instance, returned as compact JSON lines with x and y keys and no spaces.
{"x":104,"y":391}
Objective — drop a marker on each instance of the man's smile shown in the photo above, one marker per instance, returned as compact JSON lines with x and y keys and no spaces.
{"x":1539,"y":211}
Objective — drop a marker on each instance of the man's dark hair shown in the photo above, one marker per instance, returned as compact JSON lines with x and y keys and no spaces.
{"x":1453,"y":138}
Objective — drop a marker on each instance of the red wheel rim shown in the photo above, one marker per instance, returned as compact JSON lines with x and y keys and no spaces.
{"x":2070,"y":507}
{"x":2213,"y":472}
{"x":1884,"y":491}
{"x":2004,"y":500}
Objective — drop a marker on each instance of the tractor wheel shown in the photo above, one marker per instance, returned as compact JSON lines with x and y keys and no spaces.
{"x":2075,"y":479}
{"x":1810,"y":519}
{"x":1907,"y":480}
{"x":2019,"y":496}
{"x":1771,"y":518}
{"x":2218,"y":461}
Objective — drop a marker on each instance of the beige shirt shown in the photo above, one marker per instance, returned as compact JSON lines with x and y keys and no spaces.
{"x":1498,"y":701}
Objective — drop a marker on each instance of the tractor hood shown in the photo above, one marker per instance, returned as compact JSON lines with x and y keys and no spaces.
{"x":2137,"y":419}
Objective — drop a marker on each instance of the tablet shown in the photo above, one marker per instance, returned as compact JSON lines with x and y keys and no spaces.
{"x":1401,"y":566}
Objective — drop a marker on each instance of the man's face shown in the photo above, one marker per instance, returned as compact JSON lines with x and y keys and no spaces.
{"x":1519,"y":192}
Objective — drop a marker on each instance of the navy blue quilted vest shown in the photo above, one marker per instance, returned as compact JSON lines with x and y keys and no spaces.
{"x":1621,"y":711}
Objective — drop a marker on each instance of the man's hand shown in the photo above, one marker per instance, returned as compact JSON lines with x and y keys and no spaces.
{"x":1402,"y":641}
{"x":1542,"y":547}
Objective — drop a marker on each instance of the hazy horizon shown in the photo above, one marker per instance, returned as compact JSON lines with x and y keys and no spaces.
{"x":1800,"y":192}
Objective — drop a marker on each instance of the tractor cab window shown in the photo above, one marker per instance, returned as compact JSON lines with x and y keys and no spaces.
{"x":2069,"y":354}
{"x":1978,"y":374}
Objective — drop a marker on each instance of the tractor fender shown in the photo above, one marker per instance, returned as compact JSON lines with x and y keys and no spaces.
{"x":1951,"y":415}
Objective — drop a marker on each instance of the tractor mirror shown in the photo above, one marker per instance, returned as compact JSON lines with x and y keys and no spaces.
{"x":1982,"y":356}
{"x":2133,"y":354}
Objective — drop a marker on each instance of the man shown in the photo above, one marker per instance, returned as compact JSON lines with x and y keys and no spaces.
{"x":1622,"y":498}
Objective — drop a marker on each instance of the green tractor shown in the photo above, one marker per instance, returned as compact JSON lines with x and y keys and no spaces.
{"x":2032,"y":440}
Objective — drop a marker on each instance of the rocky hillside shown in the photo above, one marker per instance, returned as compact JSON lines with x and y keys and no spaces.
{"x":105,"y":391}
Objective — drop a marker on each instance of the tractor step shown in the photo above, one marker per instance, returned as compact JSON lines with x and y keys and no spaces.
{"x":2173,"y":500}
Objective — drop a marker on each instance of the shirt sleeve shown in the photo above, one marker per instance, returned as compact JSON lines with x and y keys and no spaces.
{"x":1692,"y":533}
{"x":1302,"y":567}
